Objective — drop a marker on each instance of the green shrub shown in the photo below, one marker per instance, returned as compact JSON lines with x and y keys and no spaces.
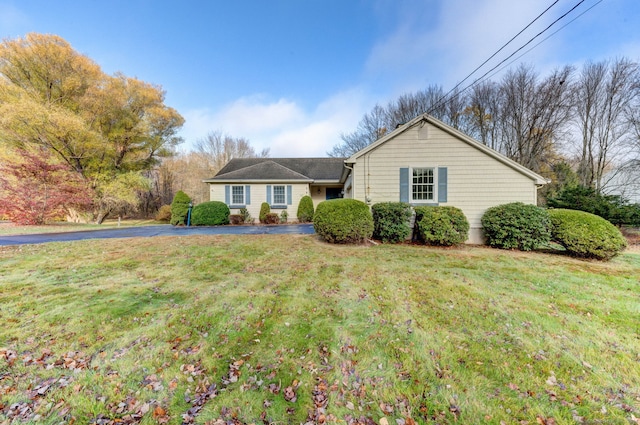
{"x":179,"y":208}
{"x":246,"y":216}
{"x":210,"y":214}
{"x":264,"y":210}
{"x":305,"y":209}
{"x":586,"y":235}
{"x":613,"y":208}
{"x":391,"y":221}
{"x":442,"y":225}
{"x":164,"y":213}
{"x":343,"y":221}
{"x":284,"y":216}
{"x":516,"y":226}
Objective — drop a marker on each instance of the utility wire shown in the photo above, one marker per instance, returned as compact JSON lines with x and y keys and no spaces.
{"x":438,"y":103}
{"x":497,"y":51}
{"x":541,"y":41}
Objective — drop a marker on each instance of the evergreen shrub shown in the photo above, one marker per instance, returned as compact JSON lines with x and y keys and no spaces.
{"x":586,"y":235}
{"x":211,"y":213}
{"x":516,"y":226}
{"x":246,"y":216}
{"x":391,"y":221}
{"x":444,"y":226}
{"x":613,"y":208}
{"x":305,"y":209}
{"x":343,"y":221}
{"x":264,"y":210}
{"x":180,"y":208}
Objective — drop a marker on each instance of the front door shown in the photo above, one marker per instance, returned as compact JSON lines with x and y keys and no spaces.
{"x":334,"y":193}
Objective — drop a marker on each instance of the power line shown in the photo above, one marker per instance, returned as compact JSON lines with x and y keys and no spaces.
{"x":497,"y":51}
{"x":543,"y":40}
{"x":440,"y":101}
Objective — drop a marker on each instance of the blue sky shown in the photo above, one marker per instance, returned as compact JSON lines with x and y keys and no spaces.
{"x":292,"y":75}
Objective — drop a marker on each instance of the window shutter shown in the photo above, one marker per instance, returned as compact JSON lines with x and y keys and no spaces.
{"x":289,"y":193}
{"x":227,"y":195}
{"x":442,"y":184}
{"x":269,"y":194}
{"x":247,"y":195}
{"x":404,"y":185}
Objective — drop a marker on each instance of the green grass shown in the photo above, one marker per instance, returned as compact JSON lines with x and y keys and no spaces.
{"x":290,"y":329}
{"x":8,"y":228}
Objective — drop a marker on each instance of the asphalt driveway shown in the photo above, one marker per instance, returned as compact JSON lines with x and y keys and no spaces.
{"x":164,"y":230}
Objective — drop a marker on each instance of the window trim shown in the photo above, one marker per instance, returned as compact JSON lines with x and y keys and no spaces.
{"x":434,"y":198}
{"x":273,"y":195}
{"x":233,"y":186}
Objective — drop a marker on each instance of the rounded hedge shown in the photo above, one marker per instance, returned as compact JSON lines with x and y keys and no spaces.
{"x":444,"y":226}
{"x":264,"y":210}
{"x":586,"y":235}
{"x":391,"y":221}
{"x":516,"y":226}
{"x":343,"y":221}
{"x":211,"y":213}
{"x":179,"y":208}
{"x":305,"y":209}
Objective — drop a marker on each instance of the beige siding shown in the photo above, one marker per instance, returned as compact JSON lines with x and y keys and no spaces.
{"x":476,"y":181}
{"x":259,"y":195}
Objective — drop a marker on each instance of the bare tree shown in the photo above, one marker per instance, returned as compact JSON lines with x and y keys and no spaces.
{"x":218,"y":149}
{"x":380,"y":121}
{"x":604,"y":93}
{"x":534,"y":114}
{"x":370,"y":128}
{"x":455,"y":106}
{"x":483,"y":113}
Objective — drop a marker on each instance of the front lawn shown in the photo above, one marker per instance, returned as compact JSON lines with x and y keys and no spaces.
{"x":287,"y":329}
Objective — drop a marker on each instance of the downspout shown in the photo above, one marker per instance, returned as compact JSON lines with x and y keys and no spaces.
{"x":353,"y":179}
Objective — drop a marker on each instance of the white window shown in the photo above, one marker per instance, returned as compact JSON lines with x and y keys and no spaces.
{"x":237,"y":195}
{"x":423,"y":184}
{"x":279,"y":195}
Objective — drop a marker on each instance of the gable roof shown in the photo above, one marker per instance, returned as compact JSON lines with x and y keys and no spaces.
{"x":538,"y":179}
{"x":281,"y":169}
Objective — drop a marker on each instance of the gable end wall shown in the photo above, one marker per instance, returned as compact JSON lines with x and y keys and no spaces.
{"x":476,"y":181}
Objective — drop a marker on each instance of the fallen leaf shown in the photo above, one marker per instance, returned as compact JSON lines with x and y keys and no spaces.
{"x":290,"y":394}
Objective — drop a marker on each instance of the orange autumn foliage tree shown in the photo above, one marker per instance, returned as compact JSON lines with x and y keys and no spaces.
{"x":106,"y":128}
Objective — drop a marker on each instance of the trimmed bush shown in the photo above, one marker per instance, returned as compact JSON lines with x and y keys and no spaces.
{"x":391,"y":221}
{"x":343,"y":221}
{"x":586,"y":235}
{"x":516,"y":226}
{"x":272,"y":218}
{"x":179,"y":208}
{"x":164,"y":213}
{"x":305,"y":209}
{"x":211,"y":213}
{"x":443,"y":226}
{"x":264,"y":210}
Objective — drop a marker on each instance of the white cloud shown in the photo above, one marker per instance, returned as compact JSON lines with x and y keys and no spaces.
{"x":283,"y":126}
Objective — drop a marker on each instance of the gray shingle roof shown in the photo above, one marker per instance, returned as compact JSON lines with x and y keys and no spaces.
{"x":282,"y":169}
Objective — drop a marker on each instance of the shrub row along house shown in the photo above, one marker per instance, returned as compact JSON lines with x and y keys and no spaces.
{"x":423,"y":162}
